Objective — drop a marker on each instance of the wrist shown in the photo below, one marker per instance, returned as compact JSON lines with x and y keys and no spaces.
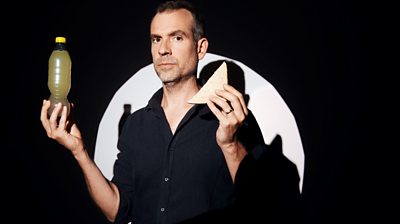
{"x":80,"y":154}
{"x":234,"y":152}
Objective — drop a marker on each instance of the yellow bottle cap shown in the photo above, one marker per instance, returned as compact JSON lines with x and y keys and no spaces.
{"x":61,"y":40}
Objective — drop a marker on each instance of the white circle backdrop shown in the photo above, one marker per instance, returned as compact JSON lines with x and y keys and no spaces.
{"x":270,"y":110}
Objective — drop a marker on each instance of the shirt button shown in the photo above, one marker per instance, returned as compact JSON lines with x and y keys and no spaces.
{"x":162,"y":209}
{"x":166,"y":179}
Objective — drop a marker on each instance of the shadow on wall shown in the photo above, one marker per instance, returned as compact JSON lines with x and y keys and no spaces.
{"x":267,"y":190}
{"x":127,"y":112}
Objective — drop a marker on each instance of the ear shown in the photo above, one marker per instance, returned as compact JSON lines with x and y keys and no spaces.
{"x":202,"y":46}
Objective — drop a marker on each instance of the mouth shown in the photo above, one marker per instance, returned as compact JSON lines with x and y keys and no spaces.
{"x":166,"y":64}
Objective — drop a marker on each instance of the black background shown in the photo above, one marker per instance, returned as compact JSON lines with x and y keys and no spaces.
{"x":313,"y":52}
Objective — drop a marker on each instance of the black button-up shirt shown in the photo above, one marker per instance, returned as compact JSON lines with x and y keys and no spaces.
{"x":167,"y":178}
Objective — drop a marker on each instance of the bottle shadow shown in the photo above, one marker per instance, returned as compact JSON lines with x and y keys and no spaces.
{"x":124,"y":116}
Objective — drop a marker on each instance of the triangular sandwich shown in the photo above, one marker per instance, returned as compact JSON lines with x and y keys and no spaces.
{"x":216,"y":81}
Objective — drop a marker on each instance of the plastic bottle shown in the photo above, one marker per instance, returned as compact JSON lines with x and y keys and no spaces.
{"x":59,"y":75}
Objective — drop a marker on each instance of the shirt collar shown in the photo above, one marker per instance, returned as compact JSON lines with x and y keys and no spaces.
{"x":155,"y":104}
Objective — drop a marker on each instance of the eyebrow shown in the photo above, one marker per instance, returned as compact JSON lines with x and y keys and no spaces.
{"x":173,"y":33}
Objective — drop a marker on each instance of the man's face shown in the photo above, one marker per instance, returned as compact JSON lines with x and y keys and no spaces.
{"x":172,"y":46}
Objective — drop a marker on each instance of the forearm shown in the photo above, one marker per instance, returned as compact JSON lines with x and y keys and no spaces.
{"x":233,"y":156}
{"x":104,"y":193}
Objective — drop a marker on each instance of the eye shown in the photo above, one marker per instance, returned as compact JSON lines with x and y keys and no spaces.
{"x":178,"y":38}
{"x":155,"y":40}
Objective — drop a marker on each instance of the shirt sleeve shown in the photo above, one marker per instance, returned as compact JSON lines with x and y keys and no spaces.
{"x":123,"y":178}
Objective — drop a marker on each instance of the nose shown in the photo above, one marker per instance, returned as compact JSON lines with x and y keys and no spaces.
{"x":165,"y":48}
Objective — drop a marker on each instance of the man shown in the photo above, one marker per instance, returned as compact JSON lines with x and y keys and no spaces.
{"x":176,"y":160}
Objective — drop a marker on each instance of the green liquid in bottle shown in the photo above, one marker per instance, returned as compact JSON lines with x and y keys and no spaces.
{"x":59,"y":75}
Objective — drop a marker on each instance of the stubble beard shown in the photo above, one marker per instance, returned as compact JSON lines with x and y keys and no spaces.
{"x":172,"y":77}
{"x":168,"y":77}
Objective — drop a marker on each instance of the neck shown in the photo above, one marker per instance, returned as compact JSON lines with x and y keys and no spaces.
{"x":176,"y":94}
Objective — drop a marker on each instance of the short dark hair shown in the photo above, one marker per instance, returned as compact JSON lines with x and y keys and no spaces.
{"x":198,"y":26}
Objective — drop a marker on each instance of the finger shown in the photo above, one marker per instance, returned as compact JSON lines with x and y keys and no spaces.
{"x":235,"y":103}
{"x":221,"y":102}
{"x":63,"y":119}
{"x":43,"y":116}
{"x":54,"y":116}
{"x":239,"y":95}
{"x":216,"y":111}
{"x":70,"y":114}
